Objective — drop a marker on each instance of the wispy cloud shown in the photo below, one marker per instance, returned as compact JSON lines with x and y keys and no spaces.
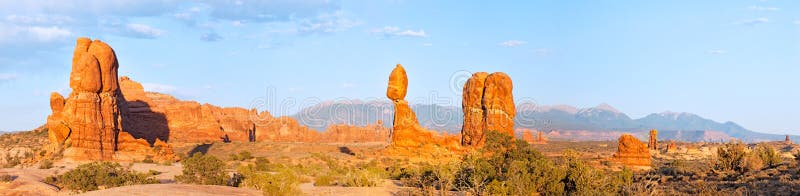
{"x":4,"y":77}
{"x":797,"y":22}
{"x":393,"y":31}
{"x":753,"y":22}
{"x":161,"y":88}
{"x":142,"y":31}
{"x":762,"y":8}
{"x":427,"y":44}
{"x":512,"y":43}
{"x":326,"y":23}
{"x":210,"y":37}
{"x":348,"y":85}
{"x":717,"y":52}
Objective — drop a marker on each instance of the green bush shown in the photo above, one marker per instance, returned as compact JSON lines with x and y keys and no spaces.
{"x":768,"y":155}
{"x":284,"y":181}
{"x":202,"y":169}
{"x":508,"y":166}
{"x":46,"y":164}
{"x":242,"y":156}
{"x":731,"y":157}
{"x":93,"y":176}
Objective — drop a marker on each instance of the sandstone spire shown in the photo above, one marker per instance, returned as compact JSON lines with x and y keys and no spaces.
{"x":653,"y":142}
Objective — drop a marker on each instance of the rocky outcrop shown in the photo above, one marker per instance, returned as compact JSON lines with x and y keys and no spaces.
{"x":671,"y":147}
{"x":787,"y":140}
{"x":472,"y":105}
{"x":632,"y":152}
{"x":488,"y":104}
{"x":92,"y":119}
{"x":653,"y":142}
{"x":528,"y":137}
{"x":177,"y":121}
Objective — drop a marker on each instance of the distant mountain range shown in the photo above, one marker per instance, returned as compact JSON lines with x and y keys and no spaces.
{"x":562,"y":118}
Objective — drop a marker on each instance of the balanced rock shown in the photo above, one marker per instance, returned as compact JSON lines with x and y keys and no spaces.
{"x":398,"y":84}
{"x":488,"y":104}
{"x":406,"y":131}
{"x":632,"y":152}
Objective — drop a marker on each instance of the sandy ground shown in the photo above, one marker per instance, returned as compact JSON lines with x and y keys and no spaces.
{"x":28,"y":181}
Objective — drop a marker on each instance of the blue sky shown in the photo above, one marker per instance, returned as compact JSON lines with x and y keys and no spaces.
{"x":724,"y":60}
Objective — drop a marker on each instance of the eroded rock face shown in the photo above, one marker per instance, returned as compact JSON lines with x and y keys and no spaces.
{"x":632,"y":152}
{"x":653,"y":143}
{"x":176,"y":121}
{"x":488,"y":104}
{"x":472,"y":105}
{"x":93,"y":116}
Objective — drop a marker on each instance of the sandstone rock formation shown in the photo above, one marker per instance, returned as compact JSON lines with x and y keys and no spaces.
{"x":632,"y":152}
{"x":653,"y":143}
{"x":488,"y":104}
{"x":91,"y":119}
{"x":177,"y":121}
{"x":671,"y":147}
{"x":528,"y":137}
{"x":787,"y":140}
{"x":471,"y":103}
{"x":406,"y":131}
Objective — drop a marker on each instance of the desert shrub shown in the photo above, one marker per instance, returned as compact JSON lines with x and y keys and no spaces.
{"x":12,"y":161}
{"x":674,"y":168}
{"x":242,"y":156}
{"x":93,"y":176}
{"x":262,"y":164}
{"x":202,"y":169}
{"x":508,"y":166}
{"x":731,"y":157}
{"x":360,"y":177}
{"x":752,"y":162}
{"x":768,"y":155}
{"x":46,"y":164}
{"x":284,"y":181}
{"x":148,"y":159}
{"x":325,"y":180}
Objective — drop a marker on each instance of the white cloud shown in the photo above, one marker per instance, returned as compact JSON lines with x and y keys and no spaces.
{"x":161,"y":88}
{"x":326,"y":23}
{"x":717,"y":52}
{"x":269,"y":11}
{"x":46,"y":34}
{"x":427,"y":44}
{"x":7,"y":77}
{"x":393,"y":31}
{"x":797,"y":22}
{"x":512,"y":43}
{"x":762,"y":8}
{"x":753,"y":22}
{"x":142,"y":31}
